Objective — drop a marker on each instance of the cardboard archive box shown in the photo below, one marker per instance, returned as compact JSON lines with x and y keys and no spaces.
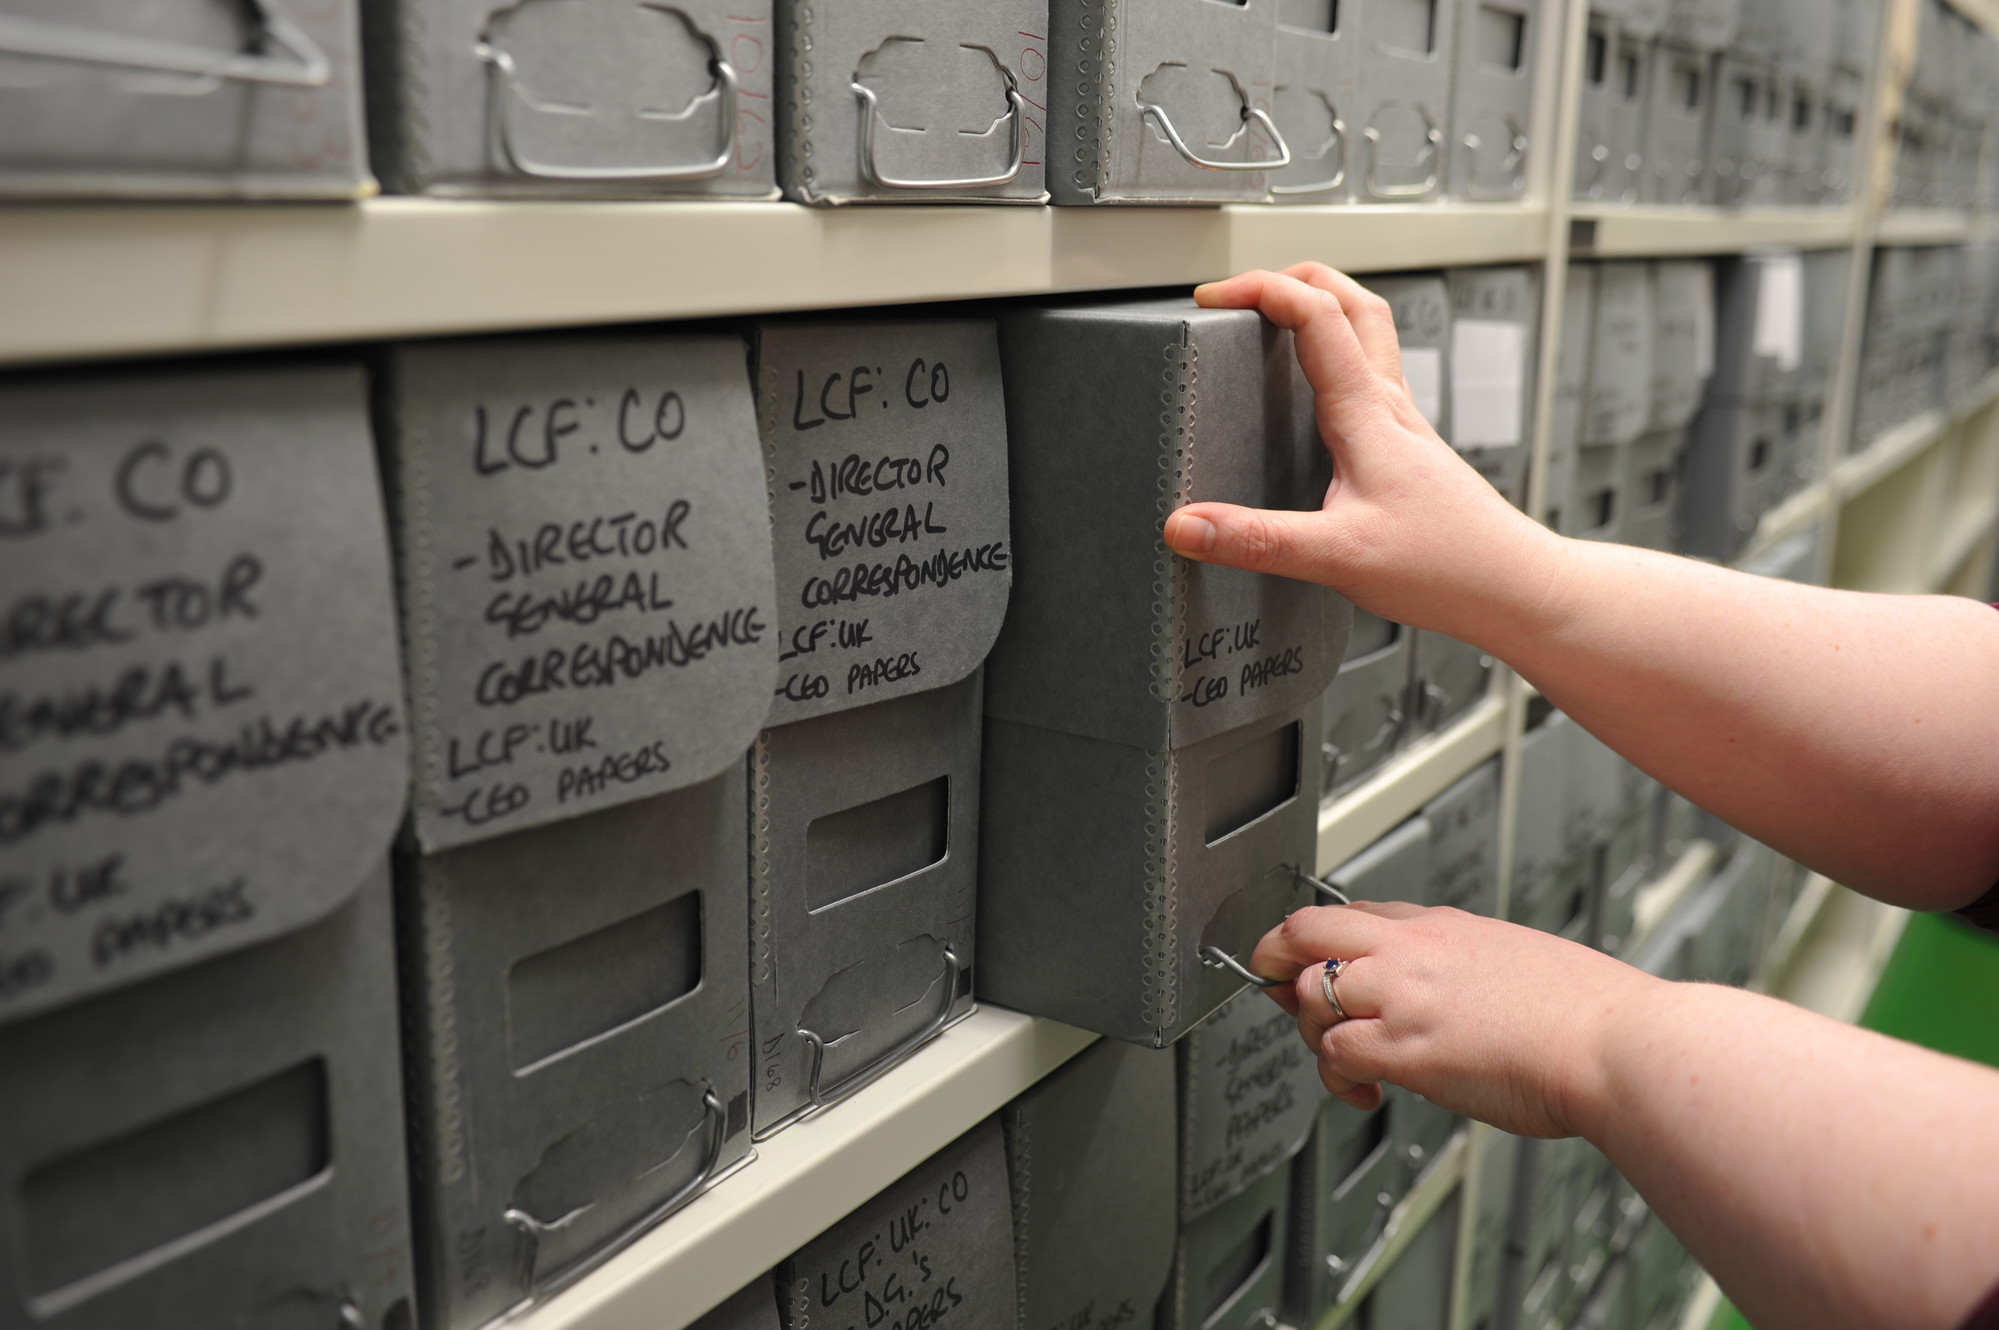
{"x":752,"y":1307}
{"x":1094,"y":1216}
{"x":1249,"y":1094}
{"x":1345,"y":1184}
{"x":1228,"y":1265}
{"x":1366,"y":710}
{"x":1551,"y":883}
{"x":1650,"y":486}
{"x":1154,"y":744}
{"x":203,"y":100}
{"x":526,"y":98}
{"x":1498,"y":1168}
{"x":939,"y":1238}
{"x":205,"y":746}
{"x":885,"y":454}
{"x":1402,"y":107}
{"x":1163,"y":101}
{"x":1421,"y":304}
{"x":1743,"y":157}
{"x":1676,"y":124}
{"x":1565,"y":426}
{"x":1616,"y":398}
{"x":1415,"y":1294}
{"x":1313,"y":101}
{"x":1495,"y":315}
{"x":912,"y":102}
{"x":1705,"y":25}
{"x":1610,"y":138}
{"x":1683,"y":316}
{"x":1492,"y":98}
{"x":1463,"y":823}
{"x":221,"y":1145}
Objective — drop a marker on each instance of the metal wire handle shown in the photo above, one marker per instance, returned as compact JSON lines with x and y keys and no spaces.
{"x":1215,"y":958}
{"x":1016,"y":116}
{"x":308,"y":66}
{"x":1514,"y":164}
{"x":1339,"y":177}
{"x":1431,"y":154}
{"x":1156,"y":113}
{"x":818,"y":1097}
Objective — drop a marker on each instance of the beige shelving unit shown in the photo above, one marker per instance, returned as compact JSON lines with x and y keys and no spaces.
{"x":1919,"y":510}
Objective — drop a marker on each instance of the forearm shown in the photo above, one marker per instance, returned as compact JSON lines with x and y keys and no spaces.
{"x":1826,"y":1176}
{"x":1858,"y":733}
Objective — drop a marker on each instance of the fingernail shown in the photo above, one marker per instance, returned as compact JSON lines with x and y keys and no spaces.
{"x":1191,"y":534}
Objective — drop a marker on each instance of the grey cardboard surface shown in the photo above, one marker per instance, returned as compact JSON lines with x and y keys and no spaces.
{"x":1595,"y":152}
{"x":1804,"y":136}
{"x":1759,"y":327}
{"x":573,"y":98}
{"x":1249,"y":1095}
{"x":586,"y":572}
{"x":1550,"y":886}
{"x":1498,"y":1167}
{"x":1450,"y":679}
{"x":1318,"y":71}
{"x":1421,"y":303}
{"x":1731,"y":466}
{"x":1228,"y":1266}
{"x":1618,"y":399}
{"x":202,"y":738}
{"x":1419,"y":1130}
{"x":1597,"y":501}
{"x":1208,"y":68}
{"x":954,"y":96}
{"x":576,"y":994}
{"x":1795,"y":558}
{"x":1366,"y":709}
{"x":1107,"y":869}
{"x":1397,"y":867}
{"x":221,"y":1146}
{"x":1415,"y":1294}
{"x":1676,"y":124}
{"x":1402,"y":115}
{"x":1643,"y":19}
{"x":1093,"y":1197}
{"x":1683,"y":313}
{"x":886,"y":460}
{"x":1855,"y":26}
{"x":1745,"y":131}
{"x":1571,"y":389}
{"x":864,"y":859}
{"x":936,"y":1243}
{"x":752,"y":1307}
{"x":1705,"y":25}
{"x":1492,"y":98}
{"x":1495,"y":314}
{"x":1117,"y":414}
{"x":1463,"y":824}
{"x":1344,"y":1185}
{"x":1610,"y":162}
{"x":279,"y":116}
{"x":1651,"y":488}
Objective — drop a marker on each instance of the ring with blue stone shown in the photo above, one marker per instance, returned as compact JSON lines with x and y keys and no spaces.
{"x":1327,"y":974}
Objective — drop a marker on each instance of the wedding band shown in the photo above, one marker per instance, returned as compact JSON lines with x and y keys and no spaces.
{"x":1327,"y":974}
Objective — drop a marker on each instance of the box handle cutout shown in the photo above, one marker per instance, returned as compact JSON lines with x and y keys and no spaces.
{"x":1338,"y":177}
{"x":1016,"y":117}
{"x":819,"y":1096}
{"x":868,"y":846}
{"x":502,"y":77}
{"x":1426,"y":157}
{"x":1156,"y":113}
{"x":1232,"y":1275}
{"x":589,"y":988}
{"x":307,"y":66}
{"x":1251,"y":781}
{"x":536,"y":1231}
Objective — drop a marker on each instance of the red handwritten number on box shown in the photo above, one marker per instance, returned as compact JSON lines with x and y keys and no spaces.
{"x":1033,"y":64}
{"x":746,"y":54}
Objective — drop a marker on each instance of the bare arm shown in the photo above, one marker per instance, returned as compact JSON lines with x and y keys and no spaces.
{"x":1826,"y":1176}
{"x":1856,"y":733}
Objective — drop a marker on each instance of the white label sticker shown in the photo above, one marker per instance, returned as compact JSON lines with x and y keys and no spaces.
{"x":1780,"y":300}
{"x":1488,"y":383}
{"x":1423,"y":368}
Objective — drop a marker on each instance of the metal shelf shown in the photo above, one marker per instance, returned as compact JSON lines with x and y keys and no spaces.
{"x":1794,"y":514}
{"x":1400,"y":789}
{"x":1925,"y":226}
{"x":1602,"y":231}
{"x":1888,"y":453}
{"x":121,"y":280}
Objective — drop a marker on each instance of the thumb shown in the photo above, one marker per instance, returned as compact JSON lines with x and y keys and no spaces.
{"x":1260,"y":540}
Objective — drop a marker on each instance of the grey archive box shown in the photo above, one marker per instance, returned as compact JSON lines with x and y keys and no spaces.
{"x":1317,"y":82}
{"x":1421,"y":304}
{"x":1495,"y":313}
{"x":1705,"y":25}
{"x":1395,"y":868}
{"x":1249,"y":1096}
{"x":1650,"y":489}
{"x":1731,"y":477}
{"x":586,"y":572}
{"x":1498,"y":1165}
{"x":953,"y":1255}
{"x":751,"y":1307}
{"x":578,"y":1022}
{"x":1618,"y":399}
{"x":1415,"y":1294}
{"x":1676,"y":124}
{"x":1094,"y":1216}
{"x":1746,"y":141}
{"x":1837,"y":160}
{"x":1551,"y":883}
{"x":1344,"y":1186}
{"x":1366,"y":710}
{"x":1683,"y":314}
{"x":1463,"y":824}
{"x":572,"y":98}
{"x":1183,"y":714}
{"x":885,"y":451}
{"x":1492,"y":98}
{"x":206,"y":745}
{"x":1597,"y":499}
{"x":864,"y":849}
{"x":1449,"y":678}
{"x":192,"y":100}
{"x":220,"y":1146}
{"x":907,"y":101}
{"x":1163,"y":101}
{"x":1611,"y":127}
{"x":1228,"y":1265}
{"x":1402,"y":111}
{"x":1565,"y":425}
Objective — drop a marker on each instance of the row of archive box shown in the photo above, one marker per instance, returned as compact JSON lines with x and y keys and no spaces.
{"x":1013,"y":102}
{"x":692,"y":705}
{"x":1943,"y":156}
{"x":1932,"y":333}
{"x":1725,"y":102}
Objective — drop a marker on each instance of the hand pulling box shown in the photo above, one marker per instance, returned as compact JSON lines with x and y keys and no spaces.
{"x":1162,"y":101}
{"x":1093,"y":1209}
{"x":1147,"y":810}
{"x":260,"y":99}
{"x":220,"y":1146}
{"x":912,"y":101}
{"x":203,"y":730}
{"x":579,"y":1020}
{"x":1249,"y":1096}
{"x":573,"y":98}
{"x":586,"y":572}
{"x":1228,"y":1266}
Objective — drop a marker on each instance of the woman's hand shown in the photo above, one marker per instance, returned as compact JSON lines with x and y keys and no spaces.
{"x":1489,"y":1019}
{"x":1408,"y":529}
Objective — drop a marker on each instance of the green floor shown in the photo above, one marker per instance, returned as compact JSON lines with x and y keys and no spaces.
{"x":1937,"y":991}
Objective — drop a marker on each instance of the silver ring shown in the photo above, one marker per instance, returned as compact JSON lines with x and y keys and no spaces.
{"x":1327,"y":974}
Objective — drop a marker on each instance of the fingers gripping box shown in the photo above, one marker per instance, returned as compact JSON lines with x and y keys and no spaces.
{"x":913,"y":101}
{"x":1093,"y":1210}
{"x":1249,"y":1096}
{"x":198,"y":99}
{"x":218,"y":1146}
{"x":886,"y":469}
{"x":1163,"y":101}
{"x":1147,"y":810}
{"x":573,"y":98}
